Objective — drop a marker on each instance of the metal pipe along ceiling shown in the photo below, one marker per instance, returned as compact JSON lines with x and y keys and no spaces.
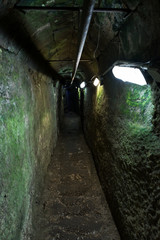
{"x":70,"y":9}
{"x":88,"y":7}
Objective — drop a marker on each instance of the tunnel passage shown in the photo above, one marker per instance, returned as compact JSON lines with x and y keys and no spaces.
{"x":38,"y":49}
{"x":71,"y":99}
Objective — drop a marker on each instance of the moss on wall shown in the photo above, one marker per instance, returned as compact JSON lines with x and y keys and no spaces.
{"x":119,"y":130}
{"x":28,"y":127}
{"x":156,"y":116}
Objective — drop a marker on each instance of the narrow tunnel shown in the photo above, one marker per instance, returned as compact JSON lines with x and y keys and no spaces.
{"x":71,"y":100}
{"x":79,"y":140}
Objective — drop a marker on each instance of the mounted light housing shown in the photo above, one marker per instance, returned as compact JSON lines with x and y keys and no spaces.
{"x":96,"y":82}
{"x":129,"y":74}
{"x":82,"y":85}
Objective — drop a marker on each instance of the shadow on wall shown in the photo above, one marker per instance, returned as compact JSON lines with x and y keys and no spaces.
{"x":15,"y":39}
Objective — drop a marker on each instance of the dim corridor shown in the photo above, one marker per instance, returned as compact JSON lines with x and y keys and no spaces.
{"x":72,"y":205}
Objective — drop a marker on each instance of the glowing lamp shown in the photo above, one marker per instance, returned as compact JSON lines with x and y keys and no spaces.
{"x":129,"y":74}
{"x":82,"y":85}
{"x":96,"y":82}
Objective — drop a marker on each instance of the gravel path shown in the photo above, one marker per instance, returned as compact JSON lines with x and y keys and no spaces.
{"x":73,"y":206}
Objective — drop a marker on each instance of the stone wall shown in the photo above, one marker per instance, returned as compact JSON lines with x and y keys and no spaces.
{"x":28,"y":134}
{"x":117,"y":120}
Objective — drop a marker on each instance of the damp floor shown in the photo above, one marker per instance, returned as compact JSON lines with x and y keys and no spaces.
{"x":73,"y":206}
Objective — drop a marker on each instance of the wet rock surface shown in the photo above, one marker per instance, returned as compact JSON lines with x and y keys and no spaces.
{"x":28,"y":132}
{"x":119,"y":128}
{"x":73,"y":206}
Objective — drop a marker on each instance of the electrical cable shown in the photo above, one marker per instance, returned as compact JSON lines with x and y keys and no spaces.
{"x":94,"y":54}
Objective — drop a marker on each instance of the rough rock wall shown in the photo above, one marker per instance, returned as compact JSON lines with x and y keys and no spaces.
{"x":138,"y":37}
{"x":28,"y":133}
{"x":118,"y":127}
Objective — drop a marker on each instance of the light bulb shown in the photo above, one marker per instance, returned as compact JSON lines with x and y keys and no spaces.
{"x":82,"y":85}
{"x":96,"y":82}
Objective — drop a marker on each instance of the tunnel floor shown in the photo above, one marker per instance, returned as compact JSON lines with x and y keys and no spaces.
{"x":73,"y":206}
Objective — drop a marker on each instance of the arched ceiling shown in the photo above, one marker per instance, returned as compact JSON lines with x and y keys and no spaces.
{"x":55,"y":33}
{"x":113,"y":35}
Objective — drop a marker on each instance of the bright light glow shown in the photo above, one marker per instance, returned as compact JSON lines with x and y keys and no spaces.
{"x":128,"y":74}
{"x":82,"y":85}
{"x":96,"y":82}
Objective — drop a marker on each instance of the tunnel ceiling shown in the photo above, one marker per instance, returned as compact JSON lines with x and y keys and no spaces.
{"x":55,"y":33}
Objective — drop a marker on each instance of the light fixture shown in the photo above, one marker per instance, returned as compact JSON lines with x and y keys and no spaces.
{"x":96,"y":82}
{"x":82,"y":85}
{"x":129,"y":74}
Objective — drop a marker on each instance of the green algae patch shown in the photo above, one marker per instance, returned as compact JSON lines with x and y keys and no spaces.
{"x":15,"y":164}
{"x":28,"y":127}
{"x":138,"y":106}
